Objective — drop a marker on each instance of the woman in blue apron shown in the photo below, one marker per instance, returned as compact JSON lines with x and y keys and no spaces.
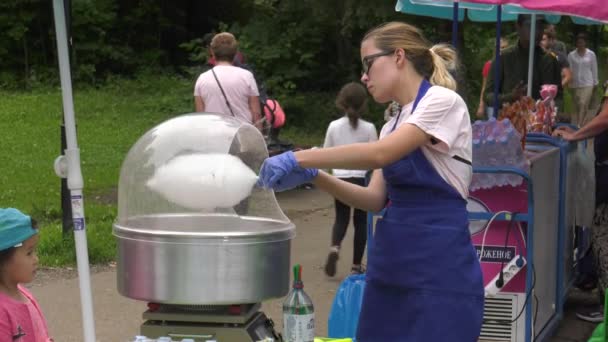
{"x":424,"y":281}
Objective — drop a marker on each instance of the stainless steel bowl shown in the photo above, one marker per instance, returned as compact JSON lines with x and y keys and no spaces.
{"x":203,"y":259}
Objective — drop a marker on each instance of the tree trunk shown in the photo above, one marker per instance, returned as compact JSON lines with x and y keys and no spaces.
{"x":342,"y":41}
{"x":26,"y":63}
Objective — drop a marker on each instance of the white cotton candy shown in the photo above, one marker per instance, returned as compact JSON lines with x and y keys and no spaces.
{"x":204,"y":181}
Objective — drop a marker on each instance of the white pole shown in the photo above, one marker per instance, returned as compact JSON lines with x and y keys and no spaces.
{"x":531,"y":54}
{"x":75,"y":182}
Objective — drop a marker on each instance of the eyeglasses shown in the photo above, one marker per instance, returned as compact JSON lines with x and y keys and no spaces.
{"x":367,"y":61}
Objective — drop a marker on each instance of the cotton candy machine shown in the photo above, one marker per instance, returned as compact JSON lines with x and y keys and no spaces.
{"x":192,"y":229}
{"x":173,"y":251}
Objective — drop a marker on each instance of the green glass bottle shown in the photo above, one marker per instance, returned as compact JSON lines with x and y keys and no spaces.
{"x":298,"y":312}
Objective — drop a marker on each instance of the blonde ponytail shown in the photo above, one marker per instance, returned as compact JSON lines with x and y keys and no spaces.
{"x":433,"y":63}
{"x":444,"y":60}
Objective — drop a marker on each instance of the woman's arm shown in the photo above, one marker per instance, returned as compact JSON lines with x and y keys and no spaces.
{"x":566,"y":77}
{"x":594,"y":70}
{"x":199,"y":104}
{"x":482,"y":105}
{"x":366,"y":156}
{"x":370,"y":198}
{"x":596,"y":126}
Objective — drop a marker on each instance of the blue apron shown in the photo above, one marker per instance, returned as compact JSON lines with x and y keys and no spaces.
{"x":424,"y":281}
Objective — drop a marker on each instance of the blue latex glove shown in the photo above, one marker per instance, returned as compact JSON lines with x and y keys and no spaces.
{"x":282,"y":172}
{"x":295,"y":178}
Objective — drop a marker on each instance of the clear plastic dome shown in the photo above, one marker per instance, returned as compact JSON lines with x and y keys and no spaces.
{"x":194,"y":175}
{"x":192,"y":227}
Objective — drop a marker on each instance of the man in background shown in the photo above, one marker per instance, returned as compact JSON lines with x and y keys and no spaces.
{"x":513,"y":69}
{"x":558,"y":45}
{"x":549,"y":45}
{"x":584,"y":81}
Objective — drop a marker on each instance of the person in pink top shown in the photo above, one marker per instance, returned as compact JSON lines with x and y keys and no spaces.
{"x":227,"y":89}
{"x":21,"y":319}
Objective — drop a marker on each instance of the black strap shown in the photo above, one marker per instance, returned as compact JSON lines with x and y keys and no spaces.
{"x":272,"y":110}
{"x":460,"y":159}
{"x":457,"y":157}
{"x":222,"y":89}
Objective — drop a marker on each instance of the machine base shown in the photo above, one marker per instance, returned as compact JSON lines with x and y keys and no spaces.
{"x":250,"y":325}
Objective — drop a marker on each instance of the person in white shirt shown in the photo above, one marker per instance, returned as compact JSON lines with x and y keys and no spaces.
{"x":349,"y":129}
{"x":227,"y":89}
{"x":583,"y":64}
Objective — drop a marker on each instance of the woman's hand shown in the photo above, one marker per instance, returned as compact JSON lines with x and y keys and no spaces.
{"x":564,"y":132}
{"x":282,"y":172}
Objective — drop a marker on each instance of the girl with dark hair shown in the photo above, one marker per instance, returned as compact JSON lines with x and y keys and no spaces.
{"x":349,"y":129}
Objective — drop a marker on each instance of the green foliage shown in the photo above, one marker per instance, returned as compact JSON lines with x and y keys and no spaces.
{"x":21,"y":26}
{"x":281,"y":59}
{"x":479,"y":46}
{"x":294,"y":45}
{"x":108,"y":38}
{"x":308,"y":45}
{"x":308,"y":112}
{"x":55,"y":249}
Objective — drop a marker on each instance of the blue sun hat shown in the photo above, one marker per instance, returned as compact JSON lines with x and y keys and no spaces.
{"x":15,"y":227}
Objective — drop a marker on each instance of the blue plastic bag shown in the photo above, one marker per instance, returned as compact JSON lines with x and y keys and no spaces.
{"x":344,"y":313}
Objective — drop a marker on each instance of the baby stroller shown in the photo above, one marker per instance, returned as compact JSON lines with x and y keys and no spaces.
{"x":273,"y":118}
{"x":273,"y":121}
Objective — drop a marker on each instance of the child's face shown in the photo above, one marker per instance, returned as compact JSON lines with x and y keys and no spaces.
{"x":21,"y":267}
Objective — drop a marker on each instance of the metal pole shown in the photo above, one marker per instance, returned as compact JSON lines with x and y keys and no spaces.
{"x":75,"y":182}
{"x":594,"y":29}
{"x":455,"y":26}
{"x":531,"y":54}
{"x":67,"y":5}
{"x":497,"y":60}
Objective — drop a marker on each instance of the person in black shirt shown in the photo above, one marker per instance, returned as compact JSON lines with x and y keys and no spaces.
{"x":513,"y":69}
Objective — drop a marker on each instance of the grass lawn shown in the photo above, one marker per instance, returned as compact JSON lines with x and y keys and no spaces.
{"x":110,"y":120}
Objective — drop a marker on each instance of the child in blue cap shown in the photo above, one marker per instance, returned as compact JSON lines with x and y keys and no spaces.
{"x":21,"y":319}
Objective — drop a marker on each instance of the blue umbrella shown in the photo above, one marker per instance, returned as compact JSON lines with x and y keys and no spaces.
{"x":455,"y":10}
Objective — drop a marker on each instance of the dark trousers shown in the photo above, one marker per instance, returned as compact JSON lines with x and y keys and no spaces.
{"x":342,"y":221}
{"x":594,"y":266}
